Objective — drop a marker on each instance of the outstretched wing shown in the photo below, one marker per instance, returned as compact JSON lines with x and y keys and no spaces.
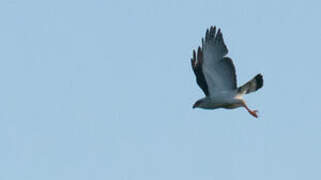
{"x":214,"y":72}
{"x":198,"y":71}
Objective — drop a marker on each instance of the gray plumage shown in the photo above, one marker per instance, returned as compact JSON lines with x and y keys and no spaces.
{"x":216,"y":76}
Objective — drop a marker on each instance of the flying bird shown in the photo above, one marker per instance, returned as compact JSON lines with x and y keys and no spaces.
{"x":215,"y":75}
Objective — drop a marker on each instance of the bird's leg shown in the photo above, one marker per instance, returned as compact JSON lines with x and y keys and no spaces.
{"x":253,"y":113}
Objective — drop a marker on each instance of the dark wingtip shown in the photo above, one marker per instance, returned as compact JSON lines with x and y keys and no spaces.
{"x":199,"y":55}
{"x":219,"y":31}
{"x":259,"y":81}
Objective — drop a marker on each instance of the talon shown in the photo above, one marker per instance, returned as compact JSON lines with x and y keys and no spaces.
{"x":254,"y":113}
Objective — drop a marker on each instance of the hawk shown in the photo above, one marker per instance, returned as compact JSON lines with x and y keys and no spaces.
{"x":215,"y":75}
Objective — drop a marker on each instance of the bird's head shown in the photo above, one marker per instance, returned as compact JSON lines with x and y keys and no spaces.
{"x":201,"y":103}
{"x":197,"y":104}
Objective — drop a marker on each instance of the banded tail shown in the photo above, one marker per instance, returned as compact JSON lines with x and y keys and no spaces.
{"x":252,"y":85}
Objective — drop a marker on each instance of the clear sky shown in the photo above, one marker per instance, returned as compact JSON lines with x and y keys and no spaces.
{"x":104,"y":90}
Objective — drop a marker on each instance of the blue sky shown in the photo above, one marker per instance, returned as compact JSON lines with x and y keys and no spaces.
{"x":104,"y":90}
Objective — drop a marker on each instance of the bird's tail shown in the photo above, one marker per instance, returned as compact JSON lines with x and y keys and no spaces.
{"x":252,"y":85}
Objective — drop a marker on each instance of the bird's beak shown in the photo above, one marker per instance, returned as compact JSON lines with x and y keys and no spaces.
{"x":196,"y":104}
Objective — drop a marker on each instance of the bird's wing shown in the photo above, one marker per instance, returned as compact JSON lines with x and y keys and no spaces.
{"x":218,"y":70}
{"x":198,"y":71}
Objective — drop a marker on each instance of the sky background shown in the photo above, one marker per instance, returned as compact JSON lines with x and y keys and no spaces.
{"x":104,"y":90}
